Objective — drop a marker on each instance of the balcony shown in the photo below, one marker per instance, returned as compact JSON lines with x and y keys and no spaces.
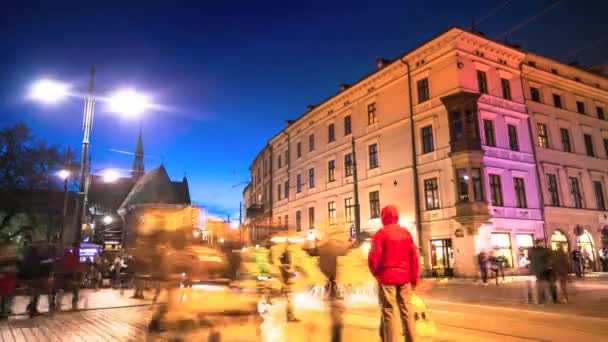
{"x":255,"y":210}
{"x":469,"y":211}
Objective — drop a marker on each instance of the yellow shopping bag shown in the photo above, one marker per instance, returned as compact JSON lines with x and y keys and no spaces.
{"x":424,"y":326}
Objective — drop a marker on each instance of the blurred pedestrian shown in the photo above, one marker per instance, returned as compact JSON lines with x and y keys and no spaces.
{"x":577,"y":262}
{"x":287,"y":275}
{"x":8,"y":279}
{"x":393,"y":261}
{"x":482,"y":261}
{"x":34,"y":273}
{"x":497,"y":264}
{"x":329,"y":251}
{"x":540,"y":268}
{"x":560,"y":266}
{"x":604,"y":256}
{"x":68,"y":274}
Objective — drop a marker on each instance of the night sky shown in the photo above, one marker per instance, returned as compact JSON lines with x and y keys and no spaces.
{"x":229,"y":73}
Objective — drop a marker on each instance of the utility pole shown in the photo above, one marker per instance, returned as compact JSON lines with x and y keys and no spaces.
{"x":87,"y":124}
{"x":356,"y":194}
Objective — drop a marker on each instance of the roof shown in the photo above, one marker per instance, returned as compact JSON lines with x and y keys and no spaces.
{"x":109,"y":195}
{"x":155,"y":187}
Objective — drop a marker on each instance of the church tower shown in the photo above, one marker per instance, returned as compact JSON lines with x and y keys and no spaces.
{"x":138,"y":164}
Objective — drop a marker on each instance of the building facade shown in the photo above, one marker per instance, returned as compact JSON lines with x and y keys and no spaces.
{"x":445,"y":134}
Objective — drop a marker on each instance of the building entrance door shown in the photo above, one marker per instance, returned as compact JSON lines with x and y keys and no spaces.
{"x":442,"y":258}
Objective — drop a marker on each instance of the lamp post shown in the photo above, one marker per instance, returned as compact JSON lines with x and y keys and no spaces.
{"x":127,"y":102}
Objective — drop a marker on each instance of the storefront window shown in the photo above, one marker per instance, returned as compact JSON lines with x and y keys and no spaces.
{"x":559,"y":241}
{"x":585,"y":245}
{"x":524,"y":243}
{"x":501,"y":242}
{"x":442,"y":257}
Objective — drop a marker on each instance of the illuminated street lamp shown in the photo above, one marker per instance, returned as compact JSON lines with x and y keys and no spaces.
{"x":126,"y":102}
{"x":110,"y":176}
{"x":63,"y":174}
{"x":108,"y":220}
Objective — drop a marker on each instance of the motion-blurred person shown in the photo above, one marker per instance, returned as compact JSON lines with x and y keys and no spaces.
{"x":540,"y":268}
{"x":329,"y":251}
{"x":497,"y":265}
{"x":34,"y":270}
{"x":560,"y":267}
{"x":393,"y":261}
{"x":68,"y":273}
{"x":482,"y":262}
{"x":604,"y":256}
{"x":577,"y":262}
{"x":8,"y":279}
{"x":287,"y":275}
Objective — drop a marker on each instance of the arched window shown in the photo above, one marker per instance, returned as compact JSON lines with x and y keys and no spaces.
{"x":559,"y":241}
{"x":585,"y":244}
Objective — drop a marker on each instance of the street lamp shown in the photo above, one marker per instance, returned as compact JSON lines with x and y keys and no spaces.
{"x":110,"y":176}
{"x":129,"y":103}
{"x":107,"y":220}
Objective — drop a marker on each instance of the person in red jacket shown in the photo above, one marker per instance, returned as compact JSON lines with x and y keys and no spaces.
{"x":393,"y":261}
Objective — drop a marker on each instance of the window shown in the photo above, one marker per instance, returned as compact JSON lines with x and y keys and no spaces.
{"x":427,"y":139}
{"x":575,"y":192}
{"x":286,"y":189}
{"x":501,"y":244}
{"x":513,"y":142}
{"x":347,"y":125}
{"x":331,"y":171}
{"x":600,"y":113}
{"x":286,"y":220}
{"x":565,"y":139}
{"x":520,"y":192}
{"x":606,"y":146}
{"x":535,"y":94}
{"x":488,"y":128}
{"x":543,"y":138}
{"x":311,"y":142}
{"x":373,"y":156}
{"x":279,"y":220}
{"x":463,"y":185}
{"x":299,"y":183}
{"x":506,"y":88}
{"x":311,"y":218}
{"x":477,"y":184}
{"x":580,"y":107}
{"x":599,"y":195}
{"x":331,"y":212}
{"x":431,"y":193}
{"x":311,"y":178}
{"x":496,"y":190}
{"x":331,"y":133}
{"x":557,"y":101}
{"x":423,"y":90}
{"x":279,"y":192}
{"x":482,"y":82}
{"x":371,"y":113}
{"x":374,"y":204}
{"x":287,"y":156}
{"x":279,"y":161}
{"x":298,"y":221}
{"x":456,"y":125}
{"x":589,"y":145}
{"x":299,"y":150}
{"x":349,"y":207}
{"x":552,"y":188}
{"x":348,"y":165}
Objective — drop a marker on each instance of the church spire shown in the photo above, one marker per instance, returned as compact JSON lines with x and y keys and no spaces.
{"x":138,"y":164}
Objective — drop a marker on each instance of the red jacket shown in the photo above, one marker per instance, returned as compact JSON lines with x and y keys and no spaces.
{"x":393,"y":258}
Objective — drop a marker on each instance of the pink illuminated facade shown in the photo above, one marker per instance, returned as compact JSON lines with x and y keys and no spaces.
{"x":446,"y":134}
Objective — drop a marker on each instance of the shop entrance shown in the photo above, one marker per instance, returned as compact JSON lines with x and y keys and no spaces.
{"x":442,"y":258}
{"x":559,"y":242}
{"x":585,"y":245}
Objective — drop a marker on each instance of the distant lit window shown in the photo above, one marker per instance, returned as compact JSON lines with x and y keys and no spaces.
{"x":431,"y":193}
{"x":543,"y":137}
{"x":331,"y":171}
{"x":496,"y":190}
{"x":553,"y":189}
{"x":349,"y":209}
{"x":372,"y":117}
{"x":298,"y":221}
{"x":520,"y":192}
{"x":374,"y":204}
{"x":463,"y":185}
{"x":501,"y":244}
{"x":589,"y":145}
{"x":311,"y":178}
{"x":311,"y":218}
{"x":286,"y":190}
{"x":575,"y":192}
{"x":331,"y":212}
{"x":599,"y":195}
{"x":299,"y":183}
{"x":565,"y":135}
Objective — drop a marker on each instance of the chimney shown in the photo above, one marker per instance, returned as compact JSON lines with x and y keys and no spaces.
{"x":382,"y":62}
{"x":310,"y":107}
{"x":289,"y":122}
{"x":344,"y":86}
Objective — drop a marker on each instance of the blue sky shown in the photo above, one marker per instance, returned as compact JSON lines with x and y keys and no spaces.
{"x":230,"y":73}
